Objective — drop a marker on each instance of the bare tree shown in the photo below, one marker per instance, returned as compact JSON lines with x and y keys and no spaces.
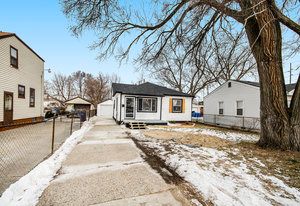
{"x":233,"y":58}
{"x":61,"y":87}
{"x":97,"y":89}
{"x":78,"y":82}
{"x":114,"y":78}
{"x":175,"y":68}
{"x":169,"y":23}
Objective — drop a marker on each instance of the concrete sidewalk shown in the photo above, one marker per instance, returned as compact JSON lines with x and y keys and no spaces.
{"x":106,"y":168}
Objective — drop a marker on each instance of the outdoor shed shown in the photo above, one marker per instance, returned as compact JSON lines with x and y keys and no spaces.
{"x":78,"y":103}
{"x":105,"y":109}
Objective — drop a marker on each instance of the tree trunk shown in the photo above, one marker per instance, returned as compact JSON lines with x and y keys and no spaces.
{"x":280,"y":125}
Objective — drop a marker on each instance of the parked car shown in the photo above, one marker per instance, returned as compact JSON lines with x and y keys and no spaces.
{"x":53,"y":112}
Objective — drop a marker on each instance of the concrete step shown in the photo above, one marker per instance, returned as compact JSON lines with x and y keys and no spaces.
{"x":137,"y":125}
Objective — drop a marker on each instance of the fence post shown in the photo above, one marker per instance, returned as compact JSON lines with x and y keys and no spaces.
{"x":71,"y":128}
{"x":53,"y":135}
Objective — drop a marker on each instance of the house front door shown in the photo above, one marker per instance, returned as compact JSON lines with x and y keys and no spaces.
{"x":8,"y":107}
{"x":129,"y":108}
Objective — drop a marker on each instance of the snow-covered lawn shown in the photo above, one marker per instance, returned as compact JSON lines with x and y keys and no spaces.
{"x":227,"y":135}
{"x":29,"y":188}
{"x":223,"y":175}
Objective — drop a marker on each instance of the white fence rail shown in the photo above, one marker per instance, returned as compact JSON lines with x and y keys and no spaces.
{"x":251,"y":123}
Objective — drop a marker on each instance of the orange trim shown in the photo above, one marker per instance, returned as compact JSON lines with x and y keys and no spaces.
{"x":183,"y":105}
{"x":170,"y":105}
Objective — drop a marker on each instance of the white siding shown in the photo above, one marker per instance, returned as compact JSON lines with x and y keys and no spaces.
{"x":169,"y":116}
{"x":230,"y":95}
{"x":146,"y":115}
{"x":105,"y":109}
{"x":116,"y":109}
{"x":164,"y":115}
{"x":29,"y":74}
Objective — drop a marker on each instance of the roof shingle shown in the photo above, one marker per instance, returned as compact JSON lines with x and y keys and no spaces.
{"x":8,"y":34}
{"x":147,"y":88}
{"x":288,"y":87}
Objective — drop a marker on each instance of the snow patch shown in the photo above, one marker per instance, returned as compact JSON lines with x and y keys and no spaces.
{"x":220,"y":179}
{"x":231,"y":136}
{"x":28,"y":189}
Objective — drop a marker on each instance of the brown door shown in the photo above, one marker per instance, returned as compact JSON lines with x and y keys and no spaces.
{"x":8,"y":107}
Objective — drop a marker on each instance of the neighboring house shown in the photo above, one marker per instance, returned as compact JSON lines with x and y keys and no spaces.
{"x":51,"y":102}
{"x":78,"y":103}
{"x":290,"y":88}
{"x":236,"y":101}
{"x":150,"y":103}
{"x":198,"y":108}
{"x":21,"y":81}
{"x":105,"y":109}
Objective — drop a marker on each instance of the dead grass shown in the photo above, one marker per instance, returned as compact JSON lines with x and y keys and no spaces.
{"x":189,"y":138}
{"x":284,"y":165}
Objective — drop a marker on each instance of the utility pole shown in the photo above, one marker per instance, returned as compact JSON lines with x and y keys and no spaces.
{"x":81,"y":76}
{"x":290,"y":73}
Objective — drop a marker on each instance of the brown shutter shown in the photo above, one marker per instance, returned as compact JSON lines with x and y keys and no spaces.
{"x":170,"y":105}
{"x":183,"y":105}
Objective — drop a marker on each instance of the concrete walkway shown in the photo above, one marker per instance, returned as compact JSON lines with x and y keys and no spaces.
{"x":106,"y":168}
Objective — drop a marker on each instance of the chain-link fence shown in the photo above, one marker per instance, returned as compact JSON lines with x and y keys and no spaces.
{"x":250,"y":123}
{"x":22,"y":146}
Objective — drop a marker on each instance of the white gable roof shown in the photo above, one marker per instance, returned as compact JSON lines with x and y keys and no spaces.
{"x":107,"y":102}
{"x":77,"y":100}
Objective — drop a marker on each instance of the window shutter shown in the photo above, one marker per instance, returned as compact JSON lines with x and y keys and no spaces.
{"x":183,"y":105}
{"x":170,"y":105}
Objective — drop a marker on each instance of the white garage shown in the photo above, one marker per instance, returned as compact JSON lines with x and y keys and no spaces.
{"x":105,"y":109}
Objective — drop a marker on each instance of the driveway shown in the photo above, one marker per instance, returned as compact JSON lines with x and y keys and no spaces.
{"x":106,"y":168}
{"x":21,"y":149}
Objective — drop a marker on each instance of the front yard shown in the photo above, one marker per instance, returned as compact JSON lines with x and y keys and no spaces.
{"x":226,"y":167}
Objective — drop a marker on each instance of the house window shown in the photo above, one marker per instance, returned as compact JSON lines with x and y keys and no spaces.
{"x":147,"y":104}
{"x":221,"y":108}
{"x":239,"y":108}
{"x":32,"y":98}
{"x":21,"y":91}
{"x":229,"y":84}
{"x":13,"y":57}
{"x":177,"y":105}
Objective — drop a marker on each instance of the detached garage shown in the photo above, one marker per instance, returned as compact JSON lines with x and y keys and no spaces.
{"x":105,"y":109}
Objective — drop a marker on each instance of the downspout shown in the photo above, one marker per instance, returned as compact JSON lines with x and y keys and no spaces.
{"x":192,"y":106}
{"x":160,"y":107}
{"x":121,"y":108}
{"x":114,"y":106}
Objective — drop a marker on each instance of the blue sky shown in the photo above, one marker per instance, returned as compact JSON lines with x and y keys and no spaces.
{"x":43,"y":26}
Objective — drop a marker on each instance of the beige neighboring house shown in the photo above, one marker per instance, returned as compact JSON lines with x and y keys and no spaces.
{"x":21,"y":81}
{"x":50,"y":102}
{"x":78,"y":103}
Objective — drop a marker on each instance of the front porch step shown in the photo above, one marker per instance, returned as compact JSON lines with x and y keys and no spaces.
{"x":137,"y":125}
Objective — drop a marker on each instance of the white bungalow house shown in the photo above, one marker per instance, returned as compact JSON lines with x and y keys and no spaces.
{"x":236,"y":103}
{"x":21,"y":81}
{"x":150,"y":103}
